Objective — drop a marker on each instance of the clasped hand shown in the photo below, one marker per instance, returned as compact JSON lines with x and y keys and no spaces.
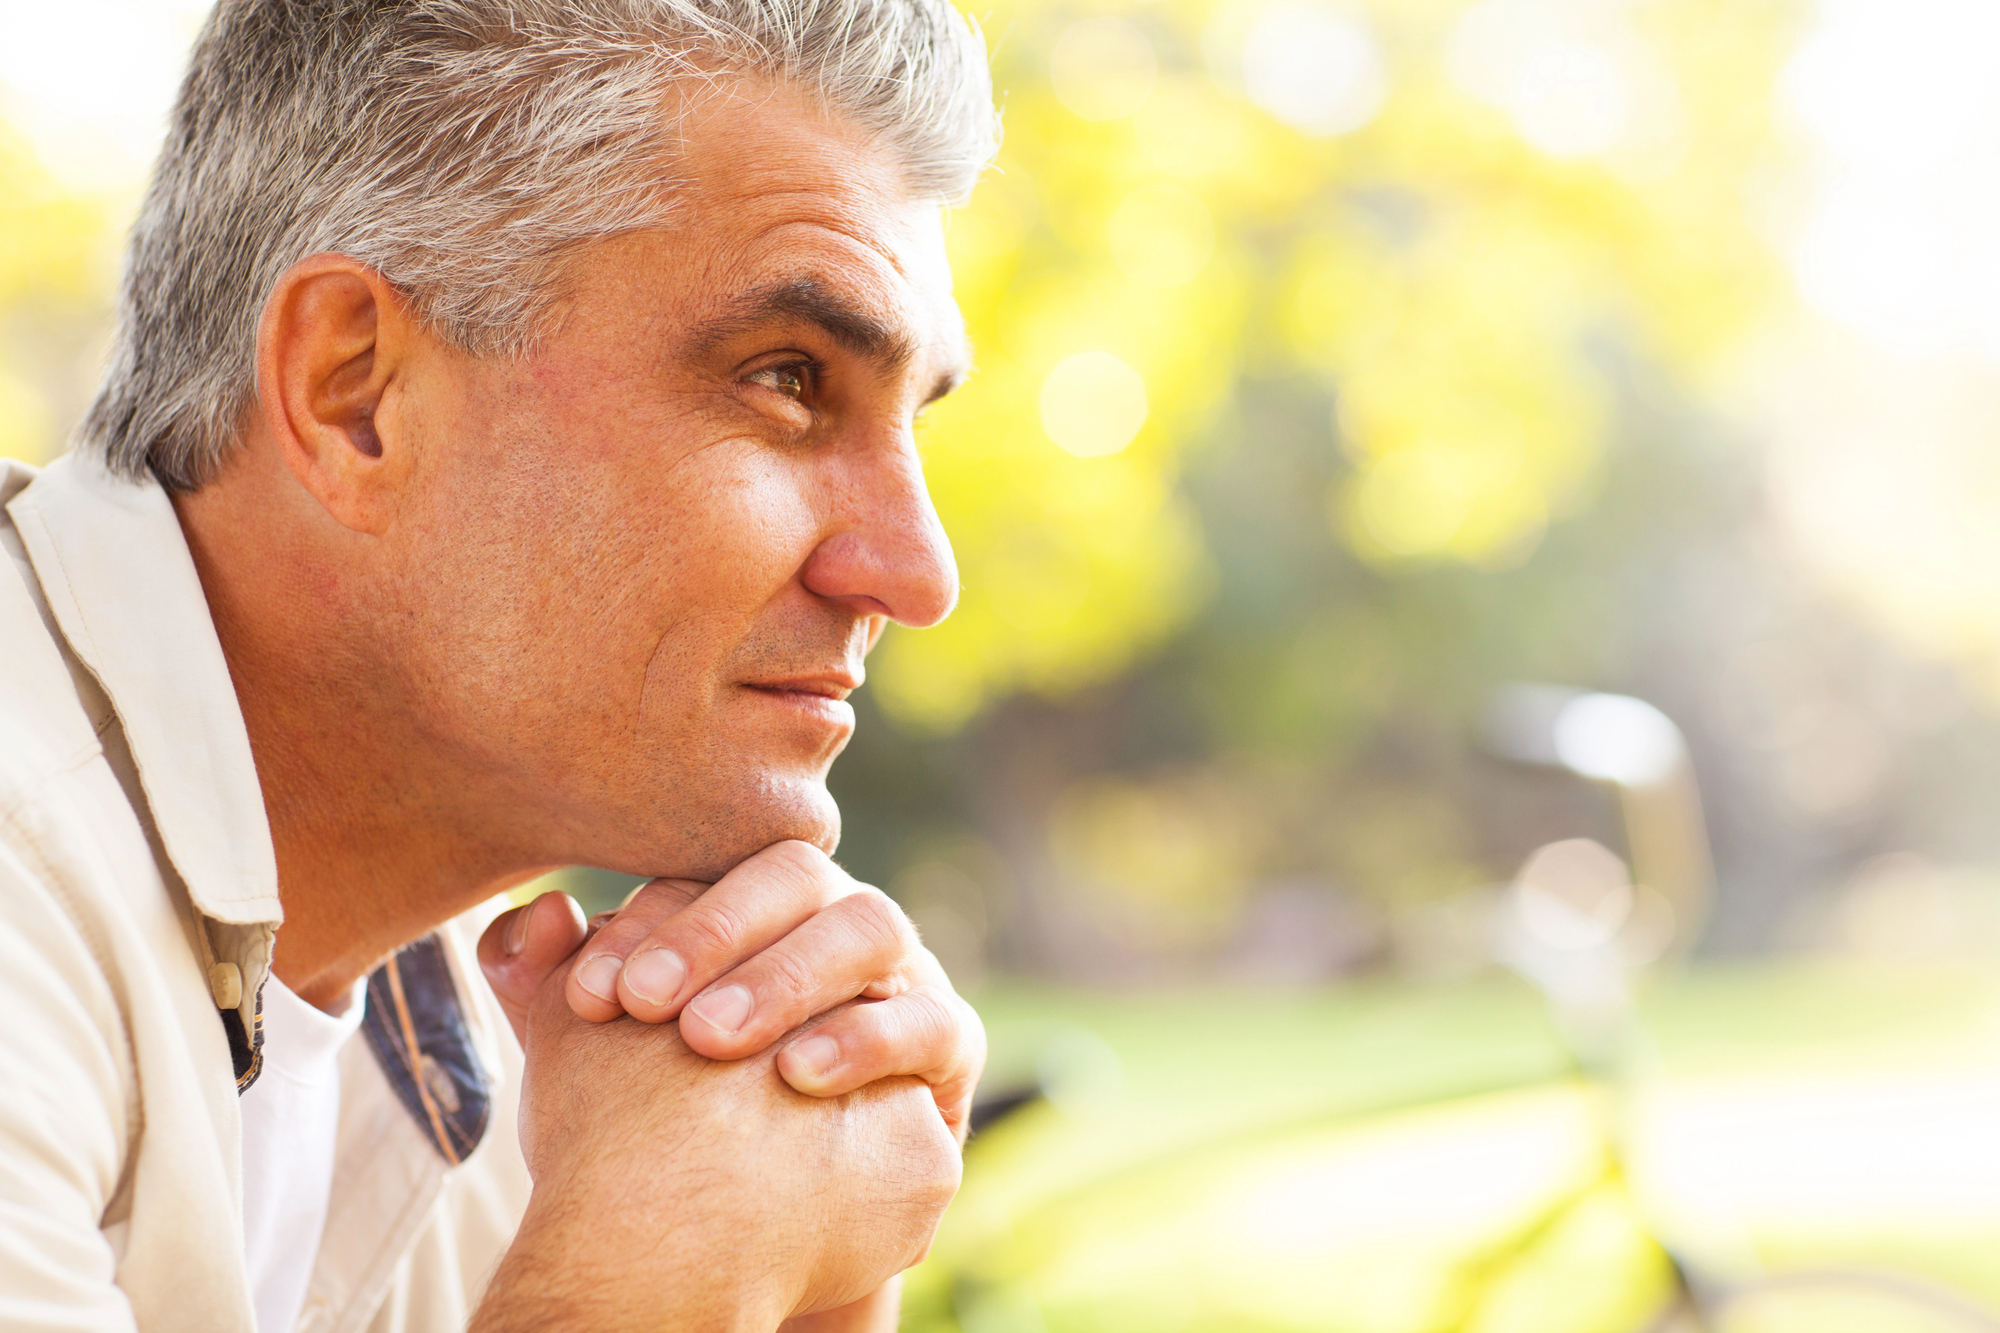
{"x":782,"y":940}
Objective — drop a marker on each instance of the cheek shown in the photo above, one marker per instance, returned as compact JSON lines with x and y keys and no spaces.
{"x":508,"y":554}
{"x":713,"y":547}
{"x":621,"y":550}
{"x":503,"y":572}
{"x":684,"y":566}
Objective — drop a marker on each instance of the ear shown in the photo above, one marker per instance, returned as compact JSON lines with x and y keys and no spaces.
{"x":334,"y":341}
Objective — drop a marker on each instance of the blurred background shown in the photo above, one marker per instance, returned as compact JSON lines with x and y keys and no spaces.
{"x":1466,"y":778}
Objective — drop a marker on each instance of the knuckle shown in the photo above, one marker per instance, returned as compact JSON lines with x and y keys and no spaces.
{"x":880,"y":921}
{"x":866,"y":1040}
{"x":832,"y":879}
{"x":971,"y":1030}
{"x":617,"y":935}
{"x":923,"y":1166}
{"x":795,"y":873}
{"x":648,"y":896}
{"x":934,"y":1021}
{"x":937,"y":1191}
{"x":713,"y":929}
{"x":878,"y":905}
{"x":785,"y":977}
{"x":801,"y":863}
{"x":914,"y":1032}
{"x":942,"y":1164}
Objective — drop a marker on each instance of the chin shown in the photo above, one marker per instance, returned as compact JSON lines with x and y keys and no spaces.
{"x":705,"y":839}
{"x":802,"y":810}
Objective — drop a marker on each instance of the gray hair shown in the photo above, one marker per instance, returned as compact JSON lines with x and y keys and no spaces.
{"x":464,"y":149}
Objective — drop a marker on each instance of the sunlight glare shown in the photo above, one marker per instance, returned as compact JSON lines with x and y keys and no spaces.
{"x":1902,"y":241}
{"x":90,"y":83}
{"x":1618,"y":739}
{"x":1575,"y":78}
{"x":1093,"y":404}
{"x":1314,"y":66}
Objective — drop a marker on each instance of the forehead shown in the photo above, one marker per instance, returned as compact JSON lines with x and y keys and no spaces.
{"x":773,"y":193}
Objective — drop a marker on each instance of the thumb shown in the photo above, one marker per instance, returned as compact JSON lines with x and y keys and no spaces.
{"x":522,"y":947}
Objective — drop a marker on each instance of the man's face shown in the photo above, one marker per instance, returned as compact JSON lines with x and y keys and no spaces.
{"x":644,"y":565}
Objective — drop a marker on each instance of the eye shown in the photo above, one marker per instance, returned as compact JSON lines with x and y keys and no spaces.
{"x":790,"y":381}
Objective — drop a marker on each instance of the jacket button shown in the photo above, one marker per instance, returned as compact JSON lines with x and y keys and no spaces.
{"x":225,"y":983}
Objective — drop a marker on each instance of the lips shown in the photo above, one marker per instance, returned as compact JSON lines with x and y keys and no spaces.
{"x":820,"y":704}
{"x":834,"y":685}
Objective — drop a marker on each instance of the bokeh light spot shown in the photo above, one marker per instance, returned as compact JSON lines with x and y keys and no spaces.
{"x":1161,"y":235}
{"x":1314,"y":66}
{"x":1103,"y":68}
{"x":1573,"y":100}
{"x":1093,"y":404}
{"x":1578,"y":81}
{"x":1617,"y":738}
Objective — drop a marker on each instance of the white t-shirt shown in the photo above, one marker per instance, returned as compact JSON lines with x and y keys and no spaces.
{"x":291,"y":1115}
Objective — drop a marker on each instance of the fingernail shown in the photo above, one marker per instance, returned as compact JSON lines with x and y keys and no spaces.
{"x":517,"y":931}
{"x":655,"y":975}
{"x":599,"y":976}
{"x":725,"y":1010}
{"x":817,"y":1054}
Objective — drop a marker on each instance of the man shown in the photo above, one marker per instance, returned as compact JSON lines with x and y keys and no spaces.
{"x":505,"y":462}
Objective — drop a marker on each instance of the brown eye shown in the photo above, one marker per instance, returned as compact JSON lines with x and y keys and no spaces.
{"x":787,"y":380}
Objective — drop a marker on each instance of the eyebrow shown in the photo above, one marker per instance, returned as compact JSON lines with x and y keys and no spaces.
{"x":812,"y":301}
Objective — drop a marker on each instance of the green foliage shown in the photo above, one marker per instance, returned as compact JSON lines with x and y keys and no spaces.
{"x":1440,"y":275}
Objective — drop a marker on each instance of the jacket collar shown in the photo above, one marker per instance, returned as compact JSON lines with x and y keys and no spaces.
{"x":116,"y":570}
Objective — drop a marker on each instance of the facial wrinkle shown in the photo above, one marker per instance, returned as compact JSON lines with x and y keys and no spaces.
{"x":809,"y":300}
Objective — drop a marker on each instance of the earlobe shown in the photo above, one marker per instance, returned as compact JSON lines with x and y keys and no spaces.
{"x":330,"y":350}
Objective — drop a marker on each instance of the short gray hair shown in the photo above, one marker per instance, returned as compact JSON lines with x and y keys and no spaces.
{"x":464,"y":149}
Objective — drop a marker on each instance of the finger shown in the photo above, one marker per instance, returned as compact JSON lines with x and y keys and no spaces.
{"x":592,"y":987}
{"x":755,"y":905}
{"x":859,"y":946}
{"x":927,"y":1031}
{"x":519,"y":950}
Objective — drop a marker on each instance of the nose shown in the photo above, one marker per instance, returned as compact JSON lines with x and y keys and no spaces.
{"x":886,"y":553}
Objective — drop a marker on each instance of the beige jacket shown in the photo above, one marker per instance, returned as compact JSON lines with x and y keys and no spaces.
{"x":138,"y":902}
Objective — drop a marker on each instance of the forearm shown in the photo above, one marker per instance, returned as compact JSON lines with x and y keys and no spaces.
{"x":574,"y":1268}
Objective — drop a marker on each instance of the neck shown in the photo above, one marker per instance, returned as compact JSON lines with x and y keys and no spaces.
{"x":377,"y":842}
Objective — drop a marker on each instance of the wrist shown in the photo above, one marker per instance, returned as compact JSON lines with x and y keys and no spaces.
{"x":874,"y":1313}
{"x":589,"y":1265}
